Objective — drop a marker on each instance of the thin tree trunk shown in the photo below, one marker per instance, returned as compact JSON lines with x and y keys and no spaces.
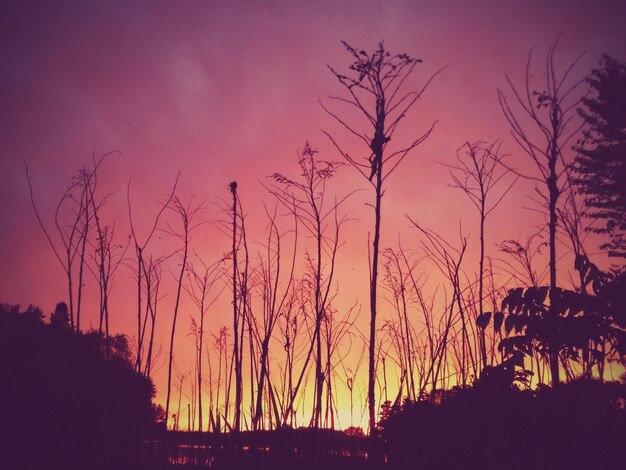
{"x":371,"y":392}
{"x":481,"y":269}
{"x":553,"y":195}
{"x":176,"y":306}
{"x":236,"y":351}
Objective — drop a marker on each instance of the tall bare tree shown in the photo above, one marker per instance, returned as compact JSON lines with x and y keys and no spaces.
{"x":107,"y":255}
{"x":448,"y":260}
{"x":140,"y":267}
{"x":237,"y":354}
{"x":152,"y":274}
{"x":374,"y":86}
{"x":187,"y":214}
{"x":72,"y":220}
{"x":221,"y":345}
{"x":199,"y":286}
{"x":306,"y":198}
{"x":543,"y":123}
{"x":275,"y":299}
{"x":477,"y":173}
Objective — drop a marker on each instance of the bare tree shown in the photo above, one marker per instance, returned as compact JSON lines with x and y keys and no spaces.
{"x":290,"y":326}
{"x":275,"y":300}
{"x":72,"y":220}
{"x":351,"y":374}
{"x":374,"y":86}
{"x":477,"y":174}
{"x":221,"y":345}
{"x":428,"y":339}
{"x":542,"y":126}
{"x":337,"y":331}
{"x":306,"y":199}
{"x":237,"y":354}
{"x":140,"y":267}
{"x":152,"y":274}
{"x":399,"y":288}
{"x":199,"y":286}
{"x":448,"y":260}
{"x":187,"y":214}
{"x":107,"y":255}
{"x":234,"y":227}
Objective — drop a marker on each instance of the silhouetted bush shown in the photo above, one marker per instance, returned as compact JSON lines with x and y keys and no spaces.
{"x":494,"y":426}
{"x":70,"y":400}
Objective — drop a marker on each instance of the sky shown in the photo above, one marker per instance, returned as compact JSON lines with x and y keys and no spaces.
{"x":230,"y":90}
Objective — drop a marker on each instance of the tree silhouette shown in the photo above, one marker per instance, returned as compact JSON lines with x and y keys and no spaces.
{"x":277,"y":300}
{"x":579,"y":425}
{"x":306,"y":198}
{"x":600,"y":167}
{"x":199,"y":286}
{"x":60,"y":318}
{"x":543,"y":128}
{"x":374,"y":86}
{"x":476,"y":175}
{"x":147,"y":271}
{"x":72,"y":221}
{"x":565,"y":322}
{"x":448,"y":260}
{"x":187,"y":214}
{"x":72,"y":401}
{"x":106,"y":254}
{"x":237,"y":348}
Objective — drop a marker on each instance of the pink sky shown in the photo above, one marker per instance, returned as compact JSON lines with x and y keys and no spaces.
{"x":229,"y":90}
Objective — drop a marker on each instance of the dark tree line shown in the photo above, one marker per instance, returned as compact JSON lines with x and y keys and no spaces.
{"x":495,"y":425}
{"x":72,"y":400}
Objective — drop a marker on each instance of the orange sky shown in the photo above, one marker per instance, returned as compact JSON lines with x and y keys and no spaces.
{"x":226,"y":91}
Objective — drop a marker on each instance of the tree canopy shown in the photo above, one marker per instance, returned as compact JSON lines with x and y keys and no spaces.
{"x":72,"y":400}
{"x":600,"y":167}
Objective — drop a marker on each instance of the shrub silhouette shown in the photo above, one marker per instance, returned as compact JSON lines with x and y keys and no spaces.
{"x":70,"y":400}
{"x":493,"y":425}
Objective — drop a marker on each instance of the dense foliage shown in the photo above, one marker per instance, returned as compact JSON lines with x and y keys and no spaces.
{"x":600,"y":167}
{"x":584,"y":327}
{"x":579,"y":425}
{"x":495,"y":424}
{"x":70,"y":400}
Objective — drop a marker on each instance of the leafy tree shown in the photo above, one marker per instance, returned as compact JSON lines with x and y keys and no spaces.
{"x":60,"y":318}
{"x":493,"y":424}
{"x":545,"y":320}
{"x":600,"y":168}
{"x":71,"y":400}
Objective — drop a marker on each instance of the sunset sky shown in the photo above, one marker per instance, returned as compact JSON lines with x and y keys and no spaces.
{"x":229,"y":90}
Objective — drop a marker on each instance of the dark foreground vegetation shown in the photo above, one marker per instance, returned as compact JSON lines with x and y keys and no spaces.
{"x":69,"y":400}
{"x":492,"y":425}
{"x":74,"y":401}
